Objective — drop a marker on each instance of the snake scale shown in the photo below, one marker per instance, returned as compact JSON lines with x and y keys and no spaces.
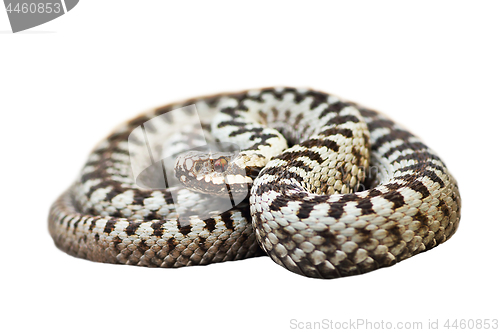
{"x":327,"y":188}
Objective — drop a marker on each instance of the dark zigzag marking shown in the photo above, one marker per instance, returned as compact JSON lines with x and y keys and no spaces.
{"x":405,"y":145}
{"x":157,"y":228}
{"x":278,"y":202}
{"x":230,"y":111}
{"x":305,"y":209}
{"x":210,"y":224}
{"x":110,"y":226}
{"x":381,"y":123}
{"x":263,"y":142}
{"x":396,"y":198}
{"x":339,"y":120}
{"x":418,"y":156}
{"x":391,"y":136}
{"x":184,"y":226}
{"x":374,"y":193}
{"x":283,"y":173}
{"x":336,"y":130}
{"x":293,"y":155}
{"x":132,"y":228}
{"x":349,"y":198}
{"x":336,"y":209}
{"x":255,"y":130}
{"x":412,"y":183}
{"x":289,"y":164}
{"x":227,"y":219}
{"x":422,"y":166}
{"x":262,"y":137}
{"x":333,"y":108}
{"x":366,"y":206}
{"x":232,"y":123}
{"x":423,"y":170}
{"x":321,"y":143}
{"x":433,"y":176}
{"x":298,"y":97}
{"x":276,"y":94}
{"x":318,"y":98}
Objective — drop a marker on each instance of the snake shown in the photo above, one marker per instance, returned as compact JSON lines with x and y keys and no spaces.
{"x":325,"y":187}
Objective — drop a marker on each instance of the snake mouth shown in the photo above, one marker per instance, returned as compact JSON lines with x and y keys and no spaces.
{"x":212,"y":173}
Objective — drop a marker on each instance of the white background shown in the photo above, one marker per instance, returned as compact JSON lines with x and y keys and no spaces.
{"x":431,"y":66}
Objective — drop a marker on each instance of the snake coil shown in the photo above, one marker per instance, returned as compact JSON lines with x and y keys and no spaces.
{"x":332,"y":188}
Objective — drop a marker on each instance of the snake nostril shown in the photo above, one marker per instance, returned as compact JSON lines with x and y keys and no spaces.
{"x":197,"y":167}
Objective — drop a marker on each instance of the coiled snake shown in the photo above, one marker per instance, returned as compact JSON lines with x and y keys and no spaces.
{"x":353,"y":192}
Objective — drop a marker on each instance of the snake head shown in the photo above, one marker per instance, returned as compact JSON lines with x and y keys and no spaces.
{"x":211,"y":173}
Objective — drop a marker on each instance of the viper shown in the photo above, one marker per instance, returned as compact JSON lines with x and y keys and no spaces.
{"x":327,"y":188}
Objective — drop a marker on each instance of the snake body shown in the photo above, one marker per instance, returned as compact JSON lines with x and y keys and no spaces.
{"x":334,"y":189}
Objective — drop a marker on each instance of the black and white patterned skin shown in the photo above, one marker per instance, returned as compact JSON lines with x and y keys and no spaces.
{"x":338,"y":190}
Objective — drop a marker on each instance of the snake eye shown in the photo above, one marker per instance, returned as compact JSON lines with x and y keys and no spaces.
{"x":220,"y":165}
